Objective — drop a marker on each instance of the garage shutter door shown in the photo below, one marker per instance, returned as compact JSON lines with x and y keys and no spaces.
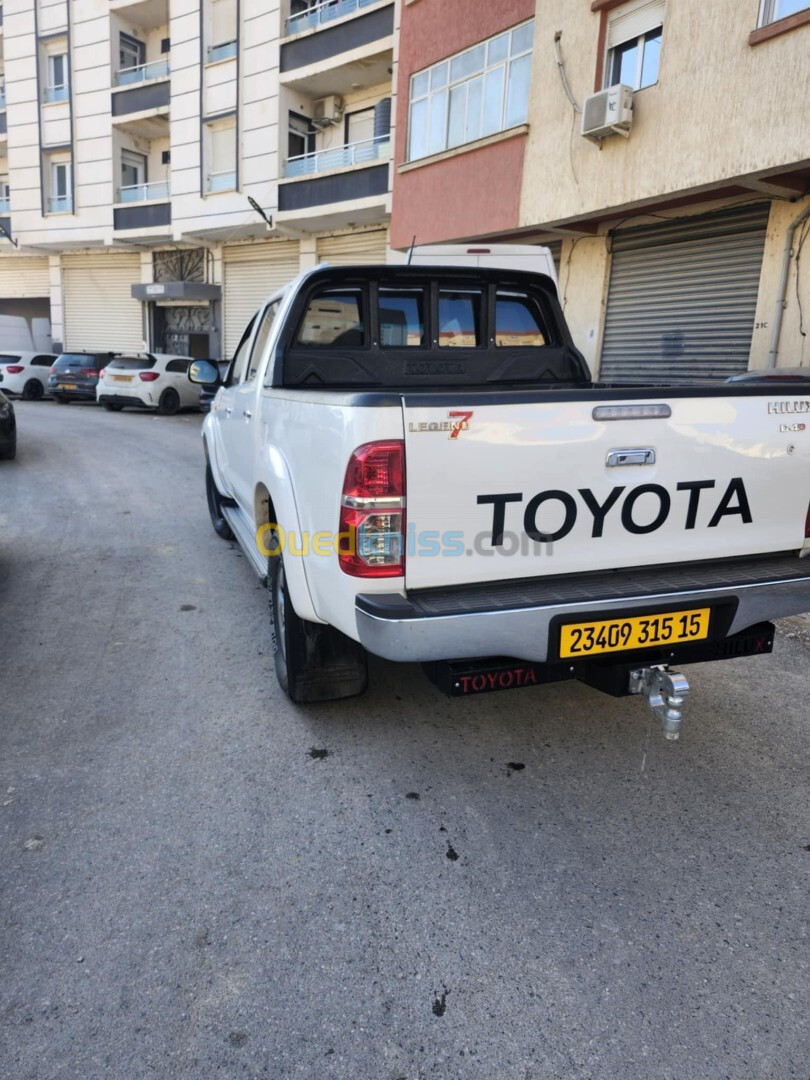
{"x":252,"y":273}
{"x":100,"y":312}
{"x":682,"y":298}
{"x":353,"y":249}
{"x":24,"y":278}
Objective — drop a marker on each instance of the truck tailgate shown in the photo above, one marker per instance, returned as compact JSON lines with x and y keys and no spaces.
{"x":540,"y":485}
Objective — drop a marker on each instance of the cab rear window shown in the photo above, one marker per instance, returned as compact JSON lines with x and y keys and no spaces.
{"x":333,"y":319}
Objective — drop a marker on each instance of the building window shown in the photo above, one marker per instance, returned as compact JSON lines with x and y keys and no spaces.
{"x":634,"y":34}
{"x":475,"y":93}
{"x":220,"y":155}
{"x":5,"y":195}
{"x":359,"y":126}
{"x":222,"y":33}
{"x":133,"y":177}
{"x":57,"y":88}
{"x":773,"y":10}
{"x":300,"y":136}
{"x":131,"y":52}
{"x":60,"y":190}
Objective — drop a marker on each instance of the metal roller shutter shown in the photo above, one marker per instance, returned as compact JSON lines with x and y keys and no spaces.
{"x":23,"y":278}
{"x":252,"y":273}
{"x":100,"y":313}
{"x":682,"y":298}
{"x":353,"y":249}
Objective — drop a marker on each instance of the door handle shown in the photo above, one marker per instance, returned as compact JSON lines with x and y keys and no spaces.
{"x":633,"y":456}
{"x":247,"y":413}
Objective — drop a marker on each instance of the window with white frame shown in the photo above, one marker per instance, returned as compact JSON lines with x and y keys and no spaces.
{"x":222,"y":30}
{"x":57,"y":67}
{"x":634,"y":34}
{"x":773,"y":10}
{"x":475,"y":93}
{"x":221,"y":155}
{"x":5,"y":193}
{"x":133,"y":176}
{"x":60,"y":189}
{"x":131,"y":52}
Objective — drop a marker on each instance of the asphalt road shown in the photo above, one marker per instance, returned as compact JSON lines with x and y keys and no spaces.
{"x":200,"y":879}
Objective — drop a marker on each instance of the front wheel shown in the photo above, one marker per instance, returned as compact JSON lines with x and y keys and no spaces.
{"x":169,"y":403}
{"x":313,"y":662}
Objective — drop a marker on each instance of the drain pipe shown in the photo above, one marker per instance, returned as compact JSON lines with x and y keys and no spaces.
{"x":783,"y":281}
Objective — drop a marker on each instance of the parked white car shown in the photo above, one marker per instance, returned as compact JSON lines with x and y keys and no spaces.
{"x":147,"y":381}
{"x":25,"y":374}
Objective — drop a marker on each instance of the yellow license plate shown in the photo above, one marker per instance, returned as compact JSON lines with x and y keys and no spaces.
{"x":636,"y":632}
{"x":122,"y":378}
{"x":69,"y":386}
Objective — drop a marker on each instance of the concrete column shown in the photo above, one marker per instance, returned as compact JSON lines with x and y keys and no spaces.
{"x":57,"y":308}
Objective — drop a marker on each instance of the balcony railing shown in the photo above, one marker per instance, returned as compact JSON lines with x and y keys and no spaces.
{"x":5,"y":204}
{"x":157,"y":191}
{"x":324,"y":12}
{"x":158,"y":69}
{"x":2,"y":97}
{"x":62,"y":204}
{"x":221,"y":181}
{"x":56,"y":93}
{"x":359,"y":153}
{"x":221,"y":52}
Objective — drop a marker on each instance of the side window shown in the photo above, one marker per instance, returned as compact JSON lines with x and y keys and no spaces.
{"x":402,"y":319}
{"x":518,"y":321}
{"x":459,"y":319}
{"x":240,"y":356}
{"x":262,"y":337}
{"x":334,"y":319}
{"x":43,"y":361}
{"x":178,"y":365}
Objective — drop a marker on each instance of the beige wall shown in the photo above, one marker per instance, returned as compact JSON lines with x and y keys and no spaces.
{"x":721,"y":109}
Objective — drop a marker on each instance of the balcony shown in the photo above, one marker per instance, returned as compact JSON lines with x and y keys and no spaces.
{"x":2,"y":97}
{"x":5,"y":204}
{"x":348,"y":42}
{"x":323,"y":13}
{"x":135,"y":193}
{"x":61,"y":204}
{"x":339,"y":157}
{"x":221,"y":52}
{"x":220,"y":181}
{"x":158,"y":69}
{"x":54,"y":94}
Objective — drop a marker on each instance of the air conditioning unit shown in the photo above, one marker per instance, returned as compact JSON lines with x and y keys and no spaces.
{"x":327,"y":110}
{"x":610,"y":112}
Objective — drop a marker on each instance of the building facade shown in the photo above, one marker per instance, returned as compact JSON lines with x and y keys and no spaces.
{"x":164,"y":164}
{"x":678,"y":232}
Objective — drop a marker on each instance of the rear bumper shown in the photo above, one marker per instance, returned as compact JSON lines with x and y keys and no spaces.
{"x":518,"y":619}
{"x":81,"y":393}
{"x":129,"y":401}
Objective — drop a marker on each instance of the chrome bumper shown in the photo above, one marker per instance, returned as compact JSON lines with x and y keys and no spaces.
{"x":397,"y":628}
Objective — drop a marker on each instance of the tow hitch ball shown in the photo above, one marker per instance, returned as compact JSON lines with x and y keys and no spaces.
{"x":664,"y":691}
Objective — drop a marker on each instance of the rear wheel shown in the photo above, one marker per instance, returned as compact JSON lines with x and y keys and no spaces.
{"x":221,"y":526}
{"x":112,"y":408}
{"x":10,"y":454}
{"x":32,"y":391}
{"x":313,"y":662}
{"x":169,"y":402}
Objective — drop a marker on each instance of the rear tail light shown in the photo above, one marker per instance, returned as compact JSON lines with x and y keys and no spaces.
{"x":14,"y":369}
{"x":88,"y":372}
{"x":807,"y":525}
{"x":372,"y":512}
{"x":148,"y":376}
{"x":53,"y":370}
{"x":101,"y":373}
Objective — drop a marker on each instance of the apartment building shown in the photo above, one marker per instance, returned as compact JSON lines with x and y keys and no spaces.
{"x":164,"y":164}
{"x":678,"y":223}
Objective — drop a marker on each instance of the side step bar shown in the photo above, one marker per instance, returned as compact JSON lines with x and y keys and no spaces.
{"x":243,"y":531}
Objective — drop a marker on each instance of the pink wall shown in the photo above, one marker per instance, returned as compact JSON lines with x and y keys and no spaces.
{"x":471,"y":193}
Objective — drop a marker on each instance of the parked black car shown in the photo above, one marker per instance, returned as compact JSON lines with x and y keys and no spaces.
{"x":74,"y":376}
{"x":8,"y":428}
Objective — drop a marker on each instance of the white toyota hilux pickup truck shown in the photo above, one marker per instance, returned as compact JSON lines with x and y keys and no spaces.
{"x":417,"y":462}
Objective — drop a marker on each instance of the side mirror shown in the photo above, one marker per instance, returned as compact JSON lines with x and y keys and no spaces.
{"x":204,"y":372}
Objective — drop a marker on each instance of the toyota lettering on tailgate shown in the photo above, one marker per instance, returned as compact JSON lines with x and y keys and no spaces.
{"x":622,"y":502}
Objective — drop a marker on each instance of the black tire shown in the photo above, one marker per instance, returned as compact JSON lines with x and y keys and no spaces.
{"x":215,"y":501}
{"x":169,"y":403}
{"x":62,"y":400}
{"x":8,"y":455}
{"x":32,"y":391}
{"x":112,"y":408}
{"x":313,"y":662}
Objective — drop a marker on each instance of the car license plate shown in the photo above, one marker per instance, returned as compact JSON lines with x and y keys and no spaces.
{"x":122,"y":378}
{"x":68,"y":386}
{"x":635,"y":632}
